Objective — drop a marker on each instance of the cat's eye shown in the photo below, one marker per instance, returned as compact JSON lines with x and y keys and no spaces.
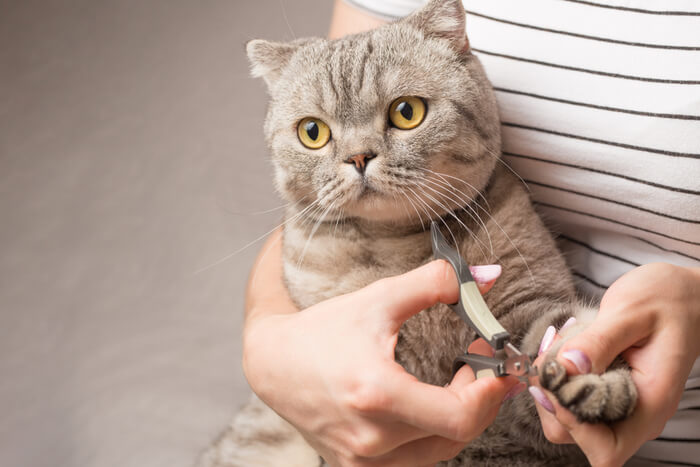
{"x":313,"y":133}
{"x":407,"y":112}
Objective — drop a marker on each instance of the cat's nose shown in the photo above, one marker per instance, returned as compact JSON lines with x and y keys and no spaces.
{"x":360,"y":161}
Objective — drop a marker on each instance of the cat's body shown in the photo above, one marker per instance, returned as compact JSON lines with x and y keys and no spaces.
{"x":351,"y":224}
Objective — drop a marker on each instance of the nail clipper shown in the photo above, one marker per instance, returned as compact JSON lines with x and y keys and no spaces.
{"x":507,"y":359}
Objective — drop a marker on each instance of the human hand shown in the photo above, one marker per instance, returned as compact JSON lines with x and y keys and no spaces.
{"x":352,"y":402}
{"x":650,"y":316}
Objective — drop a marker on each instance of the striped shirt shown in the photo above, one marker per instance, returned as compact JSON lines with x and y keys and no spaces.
{"x":600,"y":111}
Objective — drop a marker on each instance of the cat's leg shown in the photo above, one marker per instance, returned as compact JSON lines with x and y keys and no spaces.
{"x":258,"y":437}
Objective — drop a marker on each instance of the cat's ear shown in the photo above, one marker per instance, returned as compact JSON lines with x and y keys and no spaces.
{"x":445,"y":19}
{"x":267,"y":58}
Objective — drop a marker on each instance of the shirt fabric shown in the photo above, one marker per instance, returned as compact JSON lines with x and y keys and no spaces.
{"x":600,"y":111}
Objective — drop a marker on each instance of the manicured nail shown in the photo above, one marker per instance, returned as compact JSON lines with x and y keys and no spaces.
{"x":514,"y":391}
{"x":579,"y":359}
{"x":541,"y":399}
{"x":547,"y":340}
{"x":485,"y":274}
{"x":569,"y":322}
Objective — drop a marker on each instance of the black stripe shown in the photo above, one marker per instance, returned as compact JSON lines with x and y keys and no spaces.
{"x":603,"y":172}
{"x":588,"y":279}
{"x":584,"y":70}
{"x":616,"y":222}
{"x":602,"y":141}
{"x":677,"y":440}
{"x":665,"y":249}
{"x":583,"y":36}
{"x":637,"y":10}
{"x":587,"y":195}
{"x":601,"y":107}
{"x":595,"y":250}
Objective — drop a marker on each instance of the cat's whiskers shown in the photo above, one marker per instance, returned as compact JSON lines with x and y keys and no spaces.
{"x":282,"y":224}
{"x":420,"y":218}
{"x":527,"y":266}
{"x":311,"y":215}
{"x":257,"y":213}
{"x":403,"y":205}
{"x":314,"y":229}
{"x":340,"y":215}
{"x":498,"y":158}
{"x":422,"y":202}
{"x":449,"y":211}
{"x":444,"y":176}
{"x":465,"y":204}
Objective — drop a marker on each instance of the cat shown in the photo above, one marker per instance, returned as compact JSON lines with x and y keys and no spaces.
{"x":373,"y":136}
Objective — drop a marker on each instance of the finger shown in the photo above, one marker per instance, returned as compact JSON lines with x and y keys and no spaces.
{"x":553,"y":430}
{"x":598,"y":442}
{"x":596,"y":346}
{"x":460,"y":412}
{"x":401,"y":297}
{"x":481,"y":347}
{"x":485,"y":276}
{"x":426,"y":451}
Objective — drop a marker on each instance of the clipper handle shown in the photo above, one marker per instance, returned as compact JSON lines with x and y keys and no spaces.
{"x":481,"y":365}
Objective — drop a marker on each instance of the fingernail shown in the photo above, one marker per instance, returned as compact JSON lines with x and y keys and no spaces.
{"x":541,"y":399}
{"x":547,"y":340}
{"x":514,"y":391}
{"x":485,"y":274}
{"x":579,"y":359}
{"x":569,"y":322}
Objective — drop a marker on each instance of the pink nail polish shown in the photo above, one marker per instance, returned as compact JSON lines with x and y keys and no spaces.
{"x":569,"y":322}
{"x":485,"y":274}
{"x":514,"y":391}
{"x":579,"y":359}
{"x":547,"y":340}
{"x":541,"y":399}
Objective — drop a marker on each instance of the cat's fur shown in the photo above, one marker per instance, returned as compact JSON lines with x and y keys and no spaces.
{"x":366,"y":227}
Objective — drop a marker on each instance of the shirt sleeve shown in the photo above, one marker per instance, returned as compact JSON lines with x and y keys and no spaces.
{"x":387,"y":9}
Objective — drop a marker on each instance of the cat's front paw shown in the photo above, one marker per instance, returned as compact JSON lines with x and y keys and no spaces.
{"x":592,"y":398}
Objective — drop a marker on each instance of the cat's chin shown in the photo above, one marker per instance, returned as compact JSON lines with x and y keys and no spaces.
{"x":378,"y":208}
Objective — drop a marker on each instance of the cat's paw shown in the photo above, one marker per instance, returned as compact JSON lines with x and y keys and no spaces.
{"x":592,"y":398}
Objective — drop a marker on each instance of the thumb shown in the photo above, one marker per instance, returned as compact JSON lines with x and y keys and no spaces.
{"x":403,"y":296}
{"x":610,"y":334}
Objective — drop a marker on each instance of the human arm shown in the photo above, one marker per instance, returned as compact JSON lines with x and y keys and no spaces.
{"x":651,"y":316}
{"x":346,"y":19}
{"x":351,"y":400}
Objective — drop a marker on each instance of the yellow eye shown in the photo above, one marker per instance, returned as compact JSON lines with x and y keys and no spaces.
{"x":407,"y":112}
{"x":313,"y":133}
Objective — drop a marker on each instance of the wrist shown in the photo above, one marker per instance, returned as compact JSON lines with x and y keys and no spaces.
{"x":253,"y":337}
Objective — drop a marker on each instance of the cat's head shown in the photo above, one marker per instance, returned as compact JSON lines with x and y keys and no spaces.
{"x":378,"y":125}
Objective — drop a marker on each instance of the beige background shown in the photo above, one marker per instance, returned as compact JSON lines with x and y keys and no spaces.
{"x":131,"y":156}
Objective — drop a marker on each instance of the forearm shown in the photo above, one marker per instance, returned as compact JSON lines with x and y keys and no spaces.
{"x":347,"y":20}
{"x":266,"y":294}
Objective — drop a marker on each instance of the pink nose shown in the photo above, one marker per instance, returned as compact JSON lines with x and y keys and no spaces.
{"x":360,"y":161}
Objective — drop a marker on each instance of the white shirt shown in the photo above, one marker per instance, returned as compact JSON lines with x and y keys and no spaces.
{"x":600,"y":112}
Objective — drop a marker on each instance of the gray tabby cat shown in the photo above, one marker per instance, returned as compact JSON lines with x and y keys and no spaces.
{"x":372,"y":136}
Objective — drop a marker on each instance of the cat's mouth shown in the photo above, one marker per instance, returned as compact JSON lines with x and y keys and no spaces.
{"x":366,"y":190}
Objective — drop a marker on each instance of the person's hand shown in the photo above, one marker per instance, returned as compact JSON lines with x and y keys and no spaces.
{"x":330,"y":371}
{"x":651,"y":316}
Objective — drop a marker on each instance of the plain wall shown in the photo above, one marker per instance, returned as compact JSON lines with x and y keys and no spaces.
{"x":131,"y":156}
